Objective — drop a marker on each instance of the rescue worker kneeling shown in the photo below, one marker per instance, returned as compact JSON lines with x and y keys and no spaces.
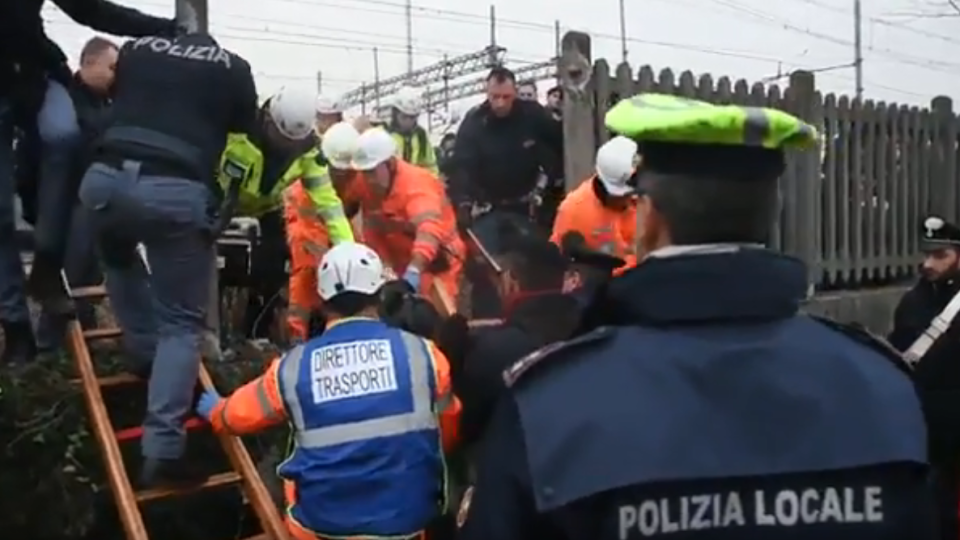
{"x":407,"y":218}
{"x":371,"y":409}
{"x":308,"y":237}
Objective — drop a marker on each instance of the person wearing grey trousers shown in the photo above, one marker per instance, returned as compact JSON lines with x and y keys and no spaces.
{"x":162,"y":312}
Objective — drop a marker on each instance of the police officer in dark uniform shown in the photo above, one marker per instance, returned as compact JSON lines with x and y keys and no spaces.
{"x":152,"y":182}
{"x":711,"y":408}
{"x":937,"y":373}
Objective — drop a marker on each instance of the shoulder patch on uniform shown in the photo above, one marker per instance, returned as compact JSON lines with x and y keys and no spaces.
{"x":513,"y":374}
{"x":860,"y":334}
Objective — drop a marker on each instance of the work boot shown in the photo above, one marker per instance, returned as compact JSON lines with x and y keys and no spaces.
{"x":170,"y":473}
{"x":46,"y":286}
{"x":19,"y":347}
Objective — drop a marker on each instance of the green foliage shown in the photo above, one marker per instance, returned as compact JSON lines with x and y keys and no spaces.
{"x":52,"y":481}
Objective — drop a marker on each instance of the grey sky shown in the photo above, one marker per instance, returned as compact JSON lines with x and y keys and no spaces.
{"x":907,"y":57}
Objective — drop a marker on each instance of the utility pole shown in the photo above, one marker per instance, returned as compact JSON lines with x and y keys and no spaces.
{"x":376,"y":79}
{"x":319,"y":82}
{"x":193,"y":15}
{"x":623,"y":32}
{"x":556,"y":38}
{"x":858,"y":46}
{"x":493,"y":36}
{"x":446,"y":83}
{"x":408,"y":12}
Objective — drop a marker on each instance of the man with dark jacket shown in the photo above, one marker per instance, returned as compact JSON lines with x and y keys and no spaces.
{"x":90,"y":90}
{"x":33,"y":94}
{"x":937,"y":373}
{"x":508,"y":157}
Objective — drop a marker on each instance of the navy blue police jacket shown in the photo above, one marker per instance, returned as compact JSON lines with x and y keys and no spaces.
{"x":711,"y":410}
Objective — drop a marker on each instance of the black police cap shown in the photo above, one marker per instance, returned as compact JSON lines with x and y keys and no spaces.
{"x":938,"y":232}
{"x":723,"y":161}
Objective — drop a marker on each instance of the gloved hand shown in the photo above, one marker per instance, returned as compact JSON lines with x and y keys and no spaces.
{"x":208,"y":400}
{"x":412,"y":276}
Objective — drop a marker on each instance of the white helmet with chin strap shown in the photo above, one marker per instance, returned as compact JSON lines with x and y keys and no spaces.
{"x":339,"y":144}
{"x":349,"y":267}
{"x":374,"y":147}
{"x":293,"y":111}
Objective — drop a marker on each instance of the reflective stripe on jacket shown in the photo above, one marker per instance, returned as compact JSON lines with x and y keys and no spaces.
{"x":414,"y":218}
{"x":366,"y":428}
{"x":415,"y":148}
{"x":241,"y":157}
{"x":368,"y":449}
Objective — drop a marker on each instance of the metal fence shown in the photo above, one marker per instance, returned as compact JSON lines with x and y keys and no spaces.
{"x":851,"y":210}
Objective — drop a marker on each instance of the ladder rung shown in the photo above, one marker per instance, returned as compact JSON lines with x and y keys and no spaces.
{"x":216,"y":480}
{"x":102,"y":333}
{"x":130,"y":434}
{"x":93,"y":293}
{"x":114,"y":380}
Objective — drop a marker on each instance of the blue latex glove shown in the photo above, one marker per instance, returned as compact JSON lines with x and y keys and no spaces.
{"x":412,"y":277}
{"x":208,"y":400}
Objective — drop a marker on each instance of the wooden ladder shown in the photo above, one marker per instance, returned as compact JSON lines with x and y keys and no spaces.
{"x":244,"y":473}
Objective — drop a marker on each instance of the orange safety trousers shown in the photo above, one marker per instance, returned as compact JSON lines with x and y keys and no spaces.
{"x":308,"y":240}
{"x":298,"y":532}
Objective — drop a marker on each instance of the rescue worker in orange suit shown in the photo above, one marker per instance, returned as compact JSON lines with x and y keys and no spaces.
{"x":371,"y":409}
{"x":407,"y":218}
{"x":603,"y":208}
{"x":307,"y":235}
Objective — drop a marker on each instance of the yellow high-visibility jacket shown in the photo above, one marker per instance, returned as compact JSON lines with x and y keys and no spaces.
{"x":415,"y":148}
{"x":241,"y":158}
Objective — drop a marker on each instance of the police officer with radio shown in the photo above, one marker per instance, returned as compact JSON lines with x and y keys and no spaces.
{"x":709,"y":408}
{"x":152,"y":182}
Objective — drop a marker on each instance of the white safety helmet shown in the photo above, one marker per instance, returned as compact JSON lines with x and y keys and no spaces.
{"x":293,"y":111}
{"x":374,"y":147}
{"x":328,"y":105}
{"x":349,"y":267}
{"x":408,"y":101}
{"x":616,"y":160}
{"x":339,"y":144}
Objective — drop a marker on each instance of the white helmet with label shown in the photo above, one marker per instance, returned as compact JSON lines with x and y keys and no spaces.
{"x":293,"y":111}
{"x":374,"y":147}
{"x":349,"y":267}
{"x":616,"y":160}
{"x":328,"y":105}
{"x":408,"y":101}
{"x":339,"y":144}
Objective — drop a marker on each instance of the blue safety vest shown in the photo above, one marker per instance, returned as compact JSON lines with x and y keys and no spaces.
{"x":367,"y":457}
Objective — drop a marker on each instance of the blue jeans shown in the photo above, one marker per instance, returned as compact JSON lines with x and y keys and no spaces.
{"x":60,"y":138}
{"x":161,"y":312}
{"x":60,"y":133}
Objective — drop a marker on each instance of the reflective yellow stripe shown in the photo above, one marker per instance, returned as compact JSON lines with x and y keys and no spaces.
{"x":425,"y":216}
{"x":298,"y":312}
{"x":444,"y":401}
{"x":263,"y":399}
{"x":313,"y":248}
{"x":428,"y":238}
{"x":420,"y":418}
{"x":313,"y":182}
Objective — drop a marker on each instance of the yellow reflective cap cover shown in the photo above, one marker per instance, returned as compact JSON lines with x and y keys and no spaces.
{"x":668,"y":118}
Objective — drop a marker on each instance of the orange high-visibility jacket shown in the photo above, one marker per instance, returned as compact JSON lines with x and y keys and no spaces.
{"x":606,"y":230}
{"x":308,"y":240}
{"x":414,"y":218}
